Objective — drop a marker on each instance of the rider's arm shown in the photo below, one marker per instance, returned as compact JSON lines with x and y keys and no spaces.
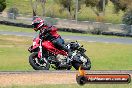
{"x":54,"y":29}
{"x":50,"y":29}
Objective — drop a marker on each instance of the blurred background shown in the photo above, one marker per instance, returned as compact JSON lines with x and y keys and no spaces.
{"x":95,"y":16}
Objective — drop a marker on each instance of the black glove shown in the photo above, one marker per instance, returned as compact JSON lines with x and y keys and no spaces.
{"x":41,"y":36}
{"x":45,"y":31}
{"x":30,"y":49}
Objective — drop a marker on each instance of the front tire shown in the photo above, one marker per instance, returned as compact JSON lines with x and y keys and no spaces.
{"x":33,"y":60}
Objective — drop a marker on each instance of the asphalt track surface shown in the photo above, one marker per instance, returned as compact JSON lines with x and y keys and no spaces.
{"x":120,"y":40}
{"x":9,"y":78}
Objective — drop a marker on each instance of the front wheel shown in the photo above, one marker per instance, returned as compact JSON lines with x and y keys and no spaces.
{"x":84,"y":65}
{"x":36,"y":63}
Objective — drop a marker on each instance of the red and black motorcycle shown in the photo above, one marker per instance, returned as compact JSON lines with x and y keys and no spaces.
{"x":44,"y":54}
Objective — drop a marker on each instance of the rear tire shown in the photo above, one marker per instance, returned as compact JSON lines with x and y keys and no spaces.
{"x":35,"y":65}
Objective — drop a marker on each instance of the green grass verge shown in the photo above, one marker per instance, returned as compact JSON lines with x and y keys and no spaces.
{"x":109,"y":56}
{"x":14,"y":54}
{"x":15,"y":29}
{"x":30,"y":30}
{"x":76,"y":86}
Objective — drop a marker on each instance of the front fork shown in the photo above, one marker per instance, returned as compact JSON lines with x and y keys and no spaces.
{"x":84,"y":60}
{"x":71,"y":58}
{"x":40,"y":49}
{"x":40,"y":54}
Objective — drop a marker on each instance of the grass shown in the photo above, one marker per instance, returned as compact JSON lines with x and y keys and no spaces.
{"x":77,"y":86}
{"x":30,"y":30}
{"x":14,"y":29}
{"x":109,"y":56}
{"x":14,"y":54}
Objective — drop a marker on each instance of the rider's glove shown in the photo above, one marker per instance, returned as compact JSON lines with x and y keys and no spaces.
{"x":42,"y":36}
{"x":30,"y":49}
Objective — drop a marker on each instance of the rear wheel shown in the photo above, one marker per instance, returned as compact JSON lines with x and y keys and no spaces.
{"x":37,"y":64}
{"x":85,"y":65}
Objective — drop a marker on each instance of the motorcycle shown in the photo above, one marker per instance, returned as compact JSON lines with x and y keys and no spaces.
{"x":44,"y":54}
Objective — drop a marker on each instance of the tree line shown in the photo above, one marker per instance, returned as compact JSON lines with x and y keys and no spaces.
{"x":98,"y":6}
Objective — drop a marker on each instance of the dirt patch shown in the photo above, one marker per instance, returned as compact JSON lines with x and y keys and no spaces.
{"x":37,"y":79}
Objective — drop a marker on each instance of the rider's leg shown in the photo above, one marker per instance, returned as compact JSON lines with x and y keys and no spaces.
{"x":59,"y":42}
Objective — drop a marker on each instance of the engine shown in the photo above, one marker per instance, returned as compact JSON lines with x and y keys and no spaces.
{"x":61,"y":58}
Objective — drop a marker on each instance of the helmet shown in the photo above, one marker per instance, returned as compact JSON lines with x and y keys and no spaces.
{"x":37,"y":23}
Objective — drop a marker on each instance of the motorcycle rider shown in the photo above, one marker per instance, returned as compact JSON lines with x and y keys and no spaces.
{"x":49,"y":32}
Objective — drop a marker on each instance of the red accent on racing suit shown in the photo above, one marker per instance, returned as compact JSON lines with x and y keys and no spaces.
{"x":50,"y":32}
